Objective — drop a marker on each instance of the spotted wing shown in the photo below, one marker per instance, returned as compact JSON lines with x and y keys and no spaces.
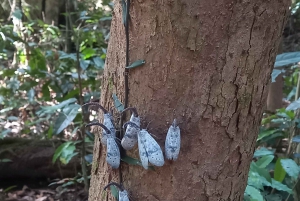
{"x":142,"y":150}
{"x":172,"y":143}
{"x":113,"y":153}
{"x":109,"y":123}
{"x":154,"y":152}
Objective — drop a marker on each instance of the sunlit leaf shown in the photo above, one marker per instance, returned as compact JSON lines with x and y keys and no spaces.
{"x":65,"y":117}
{"x":88,"y":52}
{"x":254,"y":193}
{"x":279,"y":172}
{"x":290,"y":167}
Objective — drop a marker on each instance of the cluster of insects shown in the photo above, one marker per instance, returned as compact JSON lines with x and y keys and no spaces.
{"x":149,"y":149}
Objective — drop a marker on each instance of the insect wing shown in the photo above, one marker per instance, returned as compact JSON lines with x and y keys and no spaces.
{"x":142,"y":150}
{"x":172,"y":143}
{"x":109,"y":123}
{"x":135,"y":120}
{"x":154,"y":152}
{"x":113,"y":153}
{"x":123,"y":195}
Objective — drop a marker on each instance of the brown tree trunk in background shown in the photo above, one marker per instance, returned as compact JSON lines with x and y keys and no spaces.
{"x":275,"y":94}
{"x":208,"y":64}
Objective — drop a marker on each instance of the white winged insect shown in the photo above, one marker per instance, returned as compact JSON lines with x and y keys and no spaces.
{"x":131,"y":134}
{"x":123,"y":194}
{"x":113,"y":156}
{"x":149,"y":149}
{"x":172,"y":143}
{"x":108,"y":121}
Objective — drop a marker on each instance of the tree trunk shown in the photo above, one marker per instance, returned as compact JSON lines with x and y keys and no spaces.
{"x":208,"y":64}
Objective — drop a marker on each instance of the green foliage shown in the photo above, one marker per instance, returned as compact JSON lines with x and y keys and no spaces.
{"x":41,"y":68}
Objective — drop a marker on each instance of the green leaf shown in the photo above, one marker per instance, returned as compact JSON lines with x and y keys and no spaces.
{"x":88,"y":52}
{"x":254,"y":193}
{"x":290,"y":167}
{"x":294,"y":105}
{"x":261,"y":171}
{"x":136,"y":64}
{"x":118,"y":105}
{"x":59,"y":150}
{"x":99,"y":63}
{"x":273,"y":197}
{"x":105,"y":18}
{"x":287,"y":59}
{"x":264,"y":161}
{"x":281,"y":187}
{"x":52,"y":109}
{"x":9,"y":188}
{"x":50,"y":131}
{"x":262,"y":152}
{"x":4,"y":133}
{"x":65,"y":117}
{"x":5,"y":160}
{"x":17,"y":14}
{"x":114,"y":191}
{"x":266,"y":133}
{"x":46,"y":91}
{"x":131,"y":161}
{"x":279,"y":172}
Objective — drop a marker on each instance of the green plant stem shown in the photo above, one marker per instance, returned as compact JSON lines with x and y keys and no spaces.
{"x":82,"y":128}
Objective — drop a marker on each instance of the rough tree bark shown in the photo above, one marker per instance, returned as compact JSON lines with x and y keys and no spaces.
{"x":208,"y":64}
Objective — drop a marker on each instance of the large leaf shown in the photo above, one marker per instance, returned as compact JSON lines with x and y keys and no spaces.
{"x":59,"y":150}
{"x":68,"y":153}
{"x":264,"y":161}
{"x":279,"y":172}
{"x":291,"y":167}
{"x":281,"y":187}
{"x":261,"y":171}
{"x":254,"y":193}
{"x":51,"y":109}
{"x":114,"y":191}
{"x":65,"y":117}
{"x":294,"y":105}
{"x":266,"y":134}
{"x":287,"y":59}
{"x":262,"y":152}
